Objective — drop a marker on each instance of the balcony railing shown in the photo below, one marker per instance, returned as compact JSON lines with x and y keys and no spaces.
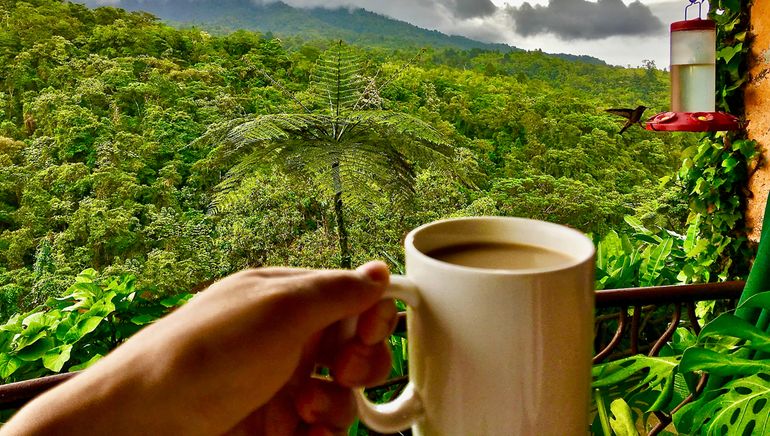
{"x":628,"y":321}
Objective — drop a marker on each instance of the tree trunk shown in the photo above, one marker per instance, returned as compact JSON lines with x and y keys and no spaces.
{"x":345,"y":261}
{"x":343,"y":233}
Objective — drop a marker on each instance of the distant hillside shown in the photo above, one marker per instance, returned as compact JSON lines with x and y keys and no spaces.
{"x":355,"y":26}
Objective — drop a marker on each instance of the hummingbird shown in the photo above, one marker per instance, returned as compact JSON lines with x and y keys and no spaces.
{"x":634,"y":116}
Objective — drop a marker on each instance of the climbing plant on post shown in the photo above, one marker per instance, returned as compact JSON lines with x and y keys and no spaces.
{"x":715,"y":171}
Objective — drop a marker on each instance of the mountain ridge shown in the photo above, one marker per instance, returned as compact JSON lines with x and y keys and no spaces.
{"x":353,"y":25}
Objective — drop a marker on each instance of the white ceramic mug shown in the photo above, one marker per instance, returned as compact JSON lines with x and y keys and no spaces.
{"x":493,"y":351}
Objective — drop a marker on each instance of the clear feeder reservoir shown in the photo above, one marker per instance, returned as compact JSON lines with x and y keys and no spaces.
{"x":693,"y":61}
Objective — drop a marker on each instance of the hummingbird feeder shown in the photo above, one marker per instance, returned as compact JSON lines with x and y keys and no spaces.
{"x":693,"y":79}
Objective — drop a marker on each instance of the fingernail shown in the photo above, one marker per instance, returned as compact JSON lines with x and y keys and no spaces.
{"x":376,"y":271}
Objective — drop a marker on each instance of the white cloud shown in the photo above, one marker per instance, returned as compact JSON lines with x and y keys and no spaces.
{"x":500,"y":27}
{"x":490,"y":21}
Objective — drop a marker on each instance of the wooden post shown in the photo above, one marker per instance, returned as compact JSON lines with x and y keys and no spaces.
{"x":757,"y":101}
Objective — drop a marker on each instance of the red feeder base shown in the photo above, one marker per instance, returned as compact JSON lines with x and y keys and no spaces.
{"x":693,"y":122}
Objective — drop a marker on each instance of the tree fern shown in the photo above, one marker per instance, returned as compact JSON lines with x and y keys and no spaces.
{"x":349,"y":154}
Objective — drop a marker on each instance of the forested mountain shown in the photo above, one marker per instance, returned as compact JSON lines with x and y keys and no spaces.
{"x":356,"y":26}
{"x":100,"y":110}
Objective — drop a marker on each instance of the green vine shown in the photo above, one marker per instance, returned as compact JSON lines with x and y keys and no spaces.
{"x":714,"y":173}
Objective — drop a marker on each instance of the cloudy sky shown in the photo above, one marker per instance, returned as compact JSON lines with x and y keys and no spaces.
{"x":621,"y":32}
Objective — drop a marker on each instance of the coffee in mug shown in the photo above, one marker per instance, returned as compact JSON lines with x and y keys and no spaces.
{"x":499,"y":256}
{"x":499,"y":326}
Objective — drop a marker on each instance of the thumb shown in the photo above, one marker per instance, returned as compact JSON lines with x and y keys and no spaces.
{"x":324,"y":297}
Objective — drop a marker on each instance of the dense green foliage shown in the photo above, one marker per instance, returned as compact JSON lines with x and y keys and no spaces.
{"x":102,"y":171}
{"x":73,"y":331}
{"x":99,"y":110}
{"x":727,"y":347}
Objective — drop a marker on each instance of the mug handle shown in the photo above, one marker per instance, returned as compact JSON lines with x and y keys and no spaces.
{"x":402,"y":412}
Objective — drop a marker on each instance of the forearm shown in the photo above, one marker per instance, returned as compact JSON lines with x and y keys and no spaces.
{"x":177,"y":376}
{"x":114,"y":397}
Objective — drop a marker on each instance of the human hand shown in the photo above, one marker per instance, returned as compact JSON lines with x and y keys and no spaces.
{"x":236,"y":359}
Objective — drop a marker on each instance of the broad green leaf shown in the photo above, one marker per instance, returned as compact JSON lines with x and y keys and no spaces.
{"x":636,"y":224}
{"x":38,"y":321}
{"x":103,"y":306}
{"x":25,"y":339}
{"x":86,"y":364}
{"x":65,"y":324}
{"x":82,"y":328}
{"x":757,"y":301}
{"x":702,"y":359}
{"x":728,"y":324}
{"x":36,"y":350}
{"x":9,"y":364}
{"x":84,"y":294}
{"x":746,"y":147}
{"x":683,"y":338}
{"x":55,"y":358}
{"x":704,"y":309}
{"x":730,"y":163}
{"x":650,"y":239}
{"x":607,"y":248}
{"x":175,"y":300}
{"x":698,"y":248}
{"x":622,"y":421}
{"x":143,"y":319}
{"x":654,"y":261}
{"x":728,"y":52}
{"x":86,"y":276}
{"x":742,"y":408}
{"x":665,"y":394}
{"x":639,"y":372}
{"x":123,"y":285}
{"x":13,"y":324}
{"x":656,"y":369}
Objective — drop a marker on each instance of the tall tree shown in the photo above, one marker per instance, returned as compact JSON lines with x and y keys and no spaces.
{"x":344,"y":143}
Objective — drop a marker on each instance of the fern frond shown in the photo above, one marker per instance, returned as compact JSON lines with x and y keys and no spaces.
{"x":411,"y":136}
{"x":215,"y":134}
{"x":337,"y":78}
{"x":273,"y":128}
{"x":366,"y":171}
{"x":403,"y":124}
